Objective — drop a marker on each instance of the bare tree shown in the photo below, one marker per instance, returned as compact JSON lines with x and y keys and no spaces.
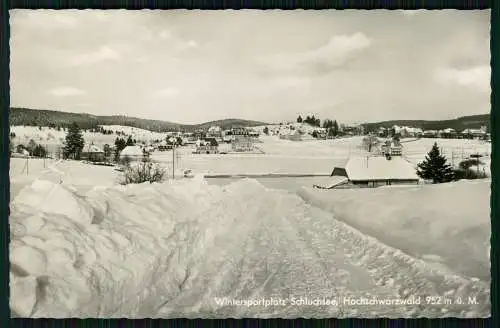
{"x":144,"y":171}
{"x":369,"y":142}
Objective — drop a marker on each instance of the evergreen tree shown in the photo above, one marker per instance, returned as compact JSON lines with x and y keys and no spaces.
{"x":130,"y":142}
{"x":11,"y":147}
{"x":120,"y":144}
{"x":39,"y":151}
{"x":331,"y":132}
{"x":266,"y":129}
{"x":31,"y":147}
{"x":299,"y":119}
{"x":435,"y":167}
{"x":335,"y":128}
{"x":74,"y":142}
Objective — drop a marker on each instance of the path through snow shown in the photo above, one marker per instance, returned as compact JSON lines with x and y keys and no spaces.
{"x":176,"y":249}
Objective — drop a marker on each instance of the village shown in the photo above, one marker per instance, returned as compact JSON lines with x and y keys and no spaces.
{"x":387,"y":157}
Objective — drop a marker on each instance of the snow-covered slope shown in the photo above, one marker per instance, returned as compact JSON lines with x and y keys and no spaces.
{"x":51,"y":137}
{"x":449,"y":223}
{"x":185,"y":248}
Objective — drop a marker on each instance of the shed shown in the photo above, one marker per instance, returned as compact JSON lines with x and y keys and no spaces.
{"x":92,"y":153}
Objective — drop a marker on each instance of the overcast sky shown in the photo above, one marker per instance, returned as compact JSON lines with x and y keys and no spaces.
{"x":196,"y":66}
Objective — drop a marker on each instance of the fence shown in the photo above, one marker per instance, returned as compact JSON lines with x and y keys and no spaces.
{"x":454,"y":155}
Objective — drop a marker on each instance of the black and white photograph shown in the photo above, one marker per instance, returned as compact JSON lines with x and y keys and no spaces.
{"x":249,"y":163}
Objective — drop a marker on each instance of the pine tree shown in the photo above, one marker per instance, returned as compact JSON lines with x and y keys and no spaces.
{"x":11,"y":147}
{"x":335,"y":128}
{"x":74,"y":142}
{"x":299,"y":119}
{"x":120,"y":144}
{"x":130,"y":142}
{"x":435,"y":167}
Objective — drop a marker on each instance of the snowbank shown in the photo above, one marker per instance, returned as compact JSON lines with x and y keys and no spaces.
{"x":102,"y":254}
{"x":447,"y":224}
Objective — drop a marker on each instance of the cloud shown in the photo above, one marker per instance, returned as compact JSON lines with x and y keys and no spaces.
{"x":475,"y":77}
{"x":191,"y":44}
{"x":338,"y":50}
{"x":289,"y":82}
{"x":165,"y":34}
{"x":103,"y":54}
{"x":66,"y":92}
{"x":167,"y":92}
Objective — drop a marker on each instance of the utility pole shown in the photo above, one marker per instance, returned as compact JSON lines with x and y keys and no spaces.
{"x":173,"y":160}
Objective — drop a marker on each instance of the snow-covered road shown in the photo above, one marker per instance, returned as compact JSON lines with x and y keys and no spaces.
{"x":305,"y":255}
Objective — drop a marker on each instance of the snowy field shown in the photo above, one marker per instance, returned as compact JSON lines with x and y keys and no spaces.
{"x":315,"y":157}
{"x":83,"y":246}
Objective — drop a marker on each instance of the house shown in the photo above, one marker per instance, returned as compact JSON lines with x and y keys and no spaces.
{"x":382,"y":132}
{"x":377,"y":171}
{"x":133,"y":153}
{"x":448,"y":133}
{"x":409,"y":132}
{"x":207,"y":146}
{"x":239,"y":131}
{"x":189,"y":138}
{"x":199,"y":134}
{"x":164,"y":146}
{"x":319,"y":133}
{"x":242,"y":144}
{"x":292,"y":135}
{"x":391,"y":147}
{"x":430,"y":134}
{"x":254,"y":134}
{"x":214,"y":132}
{"x":92,"y":153}
{"x":474,"y":133}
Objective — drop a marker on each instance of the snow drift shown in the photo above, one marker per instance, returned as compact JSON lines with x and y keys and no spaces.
{"x":448,"y":224}
{"x":169,"y":250}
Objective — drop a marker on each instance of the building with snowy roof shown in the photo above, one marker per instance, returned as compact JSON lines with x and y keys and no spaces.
{"x":207,"y":146}
{"x":474,"y":133}
{"x":293,"y":135}
{"x":377,"y":171}
{"x":448,"y":133}
{"x":214,"y":132}
{"x":92,"y":153}
{"x":132,"y":153}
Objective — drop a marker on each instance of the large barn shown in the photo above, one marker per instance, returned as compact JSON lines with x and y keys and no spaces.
{"x":377,"y":171}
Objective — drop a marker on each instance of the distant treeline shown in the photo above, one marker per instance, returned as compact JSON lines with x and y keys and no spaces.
{"x":57,"y":119}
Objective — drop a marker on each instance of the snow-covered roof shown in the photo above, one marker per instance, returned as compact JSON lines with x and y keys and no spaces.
{"x":214,"y":129}
{"x":380,"y":168}
{"x":449,"y":130}
{"x":412,"y":130}
{"x":132,"y":151}
{"x":92,"y":149}
{"x":473,"y":131}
